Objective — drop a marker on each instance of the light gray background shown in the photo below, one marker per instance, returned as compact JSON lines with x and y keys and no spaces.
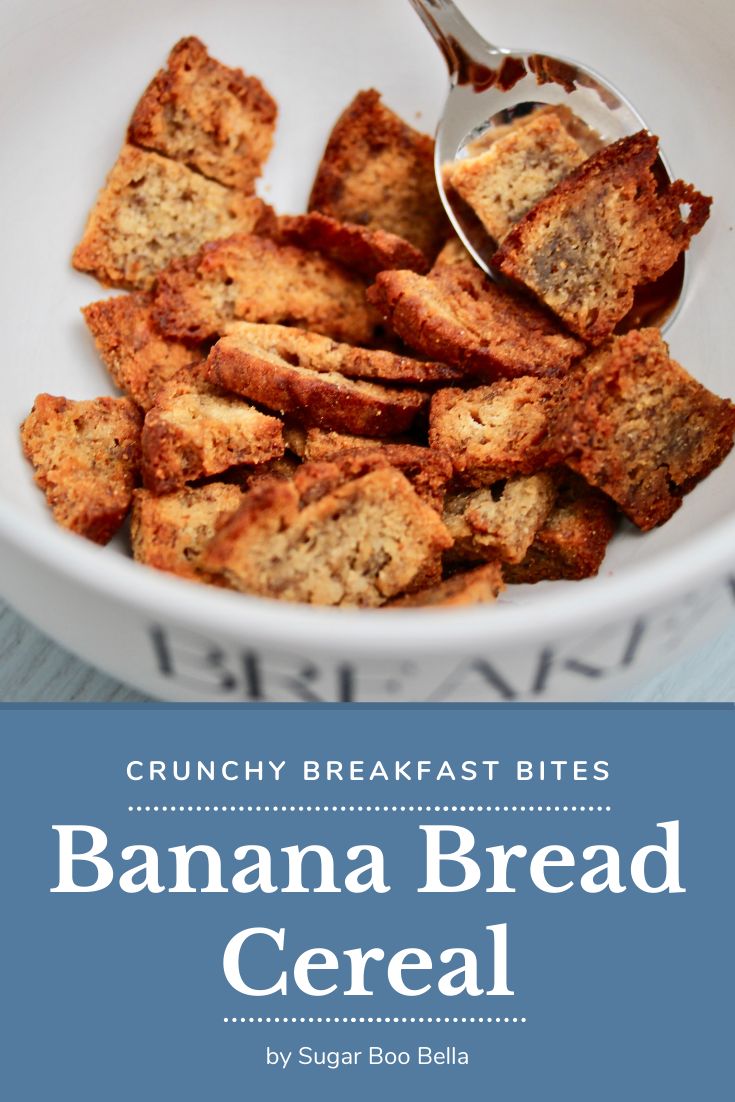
{"x":32,"y":668}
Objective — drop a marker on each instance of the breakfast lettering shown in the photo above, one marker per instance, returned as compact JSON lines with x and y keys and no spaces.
{"x":258,"y":960}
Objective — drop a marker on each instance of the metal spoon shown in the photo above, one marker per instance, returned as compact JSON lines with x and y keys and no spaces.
{"x":491,"y":86}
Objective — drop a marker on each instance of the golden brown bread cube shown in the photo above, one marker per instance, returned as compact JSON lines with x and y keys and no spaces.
{"x":641,"y":429}
{"x":245,"y":475}
{"x":194,"y":430}
{"x":283,"y":466}
{"x":573,"y":541}
{"x":86,"y":457}
{"x":212,"y":118}
{"x":605,"y":229}
{"x":495,"y":431}
{"x":317,"y":397}
{"x":367,"y":251}
{"x":320,"y":353}
{"x":480,"y":585}
{"x":152,"y":210}
{"x":170,"y":532}
{"x":519,"y":169}
{"x":460,"y":317}
{"x":322,"y":443}
{"x":499,"y":522}
{"x":138,"y":357}
{"x":251,"y":278}
{"x":361,"y":543}
{"x":379,"y":172}
{"x":583,"y":134}
{"x":428,"y":471}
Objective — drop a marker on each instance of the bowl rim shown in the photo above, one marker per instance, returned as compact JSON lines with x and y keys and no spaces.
{"x":155,"y":595}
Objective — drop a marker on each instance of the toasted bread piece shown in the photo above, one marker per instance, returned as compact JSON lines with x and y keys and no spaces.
{"x":499,"y":522}
{"x":250,"y":278}
{"x":320,"y":353}
{"x":86,"y":457}
{"x":139,"y":358}
{"x":428,"y":471}
{"x":604,"y":230}
{"x":194,"y":430}
{"x":323,"y":444}
{"x":583,"y":134}
{"x":213,"y":119}
{"x":502,"y":184}
{"x":469,"y":587}
{"x":284,"y":466}
{"x":459,"y":316}
{"x":318,"y":397}
{"x":152,"y":210}
{"x":169,"y":532}
{"x":245,"y":475}
{"x":640,"y":428}
{"x":495,"y":431}
{"x":360,"y":544}
{"x":572,"y":542}
{"x":363,"y":250}
{"x":379,"y":172}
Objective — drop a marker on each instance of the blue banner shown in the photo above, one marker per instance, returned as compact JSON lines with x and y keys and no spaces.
{"x":511,"y":901}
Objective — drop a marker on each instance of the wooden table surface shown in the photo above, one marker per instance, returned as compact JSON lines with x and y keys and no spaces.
{"x":32,"y":668}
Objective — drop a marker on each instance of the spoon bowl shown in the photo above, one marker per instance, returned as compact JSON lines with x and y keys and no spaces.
{"x":491,"y":86}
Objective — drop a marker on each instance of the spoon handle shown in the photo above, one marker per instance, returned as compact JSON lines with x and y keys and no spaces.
{"x":463,"y":47}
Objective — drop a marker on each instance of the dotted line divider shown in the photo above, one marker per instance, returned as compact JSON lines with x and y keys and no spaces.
{"x":369,"y":807}
{"x":385,"y":1020}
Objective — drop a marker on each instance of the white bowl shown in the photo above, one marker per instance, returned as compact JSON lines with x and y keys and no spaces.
{"x":70,"y":75}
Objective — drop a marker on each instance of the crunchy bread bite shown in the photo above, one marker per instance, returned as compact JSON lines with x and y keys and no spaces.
{"x":499,"y":522}
{"x":367,"y":251}
{"x":495,"y":431}
{"x":194,"y":430}
{"x":152,"y":210}
{"x":604,"y":230}
{"x":470,"y":587}
{"x":322,"y":444}
{"x":245,"y":475}
{"x":427,"y":471}
{"x":312,"y":350}
{"x":214,"y":119}
{"x":85,"y":456}
{"x":251,"y":278}
{"x":284,"y":466}
{"x":457,"y":315}
{"x":639,"y":427}
{"x":139,"y":358}
{"x":360,"y":544}
{"x":572,"y":542}
{"x":583,"y":134}
{"x":379,"y":172}
{"x":318,"y":397}
{"x":171,"y":531}
{"x":502,"y":184}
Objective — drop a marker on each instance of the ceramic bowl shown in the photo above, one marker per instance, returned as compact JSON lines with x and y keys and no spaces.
{"x":70,"y":75}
